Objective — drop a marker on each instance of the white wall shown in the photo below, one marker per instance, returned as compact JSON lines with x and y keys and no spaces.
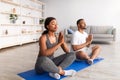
{"x":95,"y":12}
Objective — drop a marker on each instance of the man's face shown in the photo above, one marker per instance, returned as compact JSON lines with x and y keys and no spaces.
{"x":82,"y":24}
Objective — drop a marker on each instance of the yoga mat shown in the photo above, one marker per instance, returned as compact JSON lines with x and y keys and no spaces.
{"x":77,"y":65}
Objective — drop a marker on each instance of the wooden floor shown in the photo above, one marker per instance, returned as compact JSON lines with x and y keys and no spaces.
{"x":18,"y":59}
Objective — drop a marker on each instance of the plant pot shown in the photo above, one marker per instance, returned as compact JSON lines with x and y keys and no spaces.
{"x":41,"y":21}
{"x":13,"y":21}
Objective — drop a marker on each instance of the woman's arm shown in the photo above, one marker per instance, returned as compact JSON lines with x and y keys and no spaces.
{"x":43,"y":47}
{"x":65,"y":47}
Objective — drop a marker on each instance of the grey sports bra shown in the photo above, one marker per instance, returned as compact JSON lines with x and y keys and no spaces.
{"x":49,"y":45}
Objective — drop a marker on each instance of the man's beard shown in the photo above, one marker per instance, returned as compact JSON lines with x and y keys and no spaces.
{"x":84,"y":28}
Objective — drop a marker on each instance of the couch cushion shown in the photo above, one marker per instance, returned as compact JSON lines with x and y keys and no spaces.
{"x":69,"y":35}
{"x":100,"y":29}
{"x":109,"y":31}
{"x":102,"y":36}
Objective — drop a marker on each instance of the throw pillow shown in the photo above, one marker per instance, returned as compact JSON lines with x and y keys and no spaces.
{"x":110,"y":31}
{"x":70,"y":31}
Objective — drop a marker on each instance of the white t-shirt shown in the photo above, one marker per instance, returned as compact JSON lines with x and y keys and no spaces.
{"x":78,"y":39}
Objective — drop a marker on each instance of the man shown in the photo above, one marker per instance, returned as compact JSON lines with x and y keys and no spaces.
{"x":81,"y":44}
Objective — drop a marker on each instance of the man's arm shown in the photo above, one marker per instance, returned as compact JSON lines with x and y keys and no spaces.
{"x":87,"y":43}
{"x":90,"y":36}
{"x":77,"y":47}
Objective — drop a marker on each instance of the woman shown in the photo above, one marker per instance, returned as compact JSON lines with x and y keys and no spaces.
{"x":49,"y":43}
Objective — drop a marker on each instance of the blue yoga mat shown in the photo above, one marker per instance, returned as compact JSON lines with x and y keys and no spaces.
{"x":77,"y":65}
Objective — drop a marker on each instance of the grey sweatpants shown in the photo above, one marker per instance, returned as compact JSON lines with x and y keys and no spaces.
{"x":45,"y":64}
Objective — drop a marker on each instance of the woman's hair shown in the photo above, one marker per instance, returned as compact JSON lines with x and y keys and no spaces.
{"x":47,"y":22}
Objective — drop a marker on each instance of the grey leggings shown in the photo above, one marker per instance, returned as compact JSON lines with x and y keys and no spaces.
{"x":45,"y":64}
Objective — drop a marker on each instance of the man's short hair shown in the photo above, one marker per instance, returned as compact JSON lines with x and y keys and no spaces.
{"x":79,"y":21}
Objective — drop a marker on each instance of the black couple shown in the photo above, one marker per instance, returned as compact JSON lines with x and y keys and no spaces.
{"x":49,"y":42}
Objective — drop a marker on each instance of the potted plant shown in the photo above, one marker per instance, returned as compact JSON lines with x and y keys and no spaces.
{"x":13,"y":18}
{"x":41,"y":21}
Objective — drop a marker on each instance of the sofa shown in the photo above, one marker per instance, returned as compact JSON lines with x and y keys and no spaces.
{"x":100,"y":33}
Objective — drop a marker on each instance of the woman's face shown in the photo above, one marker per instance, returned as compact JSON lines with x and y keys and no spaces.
{"x":53,"y":26}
